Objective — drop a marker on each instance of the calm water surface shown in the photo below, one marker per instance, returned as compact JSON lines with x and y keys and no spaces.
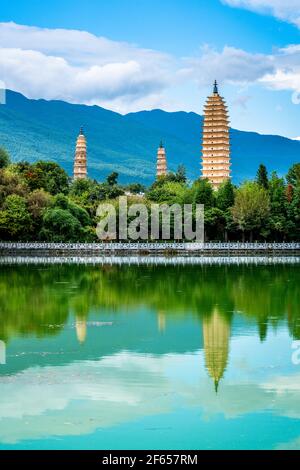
{"x":172,"y":357}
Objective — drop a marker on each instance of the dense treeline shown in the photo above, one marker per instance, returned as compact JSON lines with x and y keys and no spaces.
{"x":176,"y":292}
{"x":40,"y":202}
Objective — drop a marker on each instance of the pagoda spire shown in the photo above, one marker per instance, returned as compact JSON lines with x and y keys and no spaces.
{"x":80,"y":163}
{"x":216,"y":91}
{"x":161,"y":166}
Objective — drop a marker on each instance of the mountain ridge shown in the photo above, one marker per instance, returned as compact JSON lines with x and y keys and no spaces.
{"x":47,"y":129}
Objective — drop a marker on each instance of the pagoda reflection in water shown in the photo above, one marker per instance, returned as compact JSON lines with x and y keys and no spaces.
{"x":216,"y":336}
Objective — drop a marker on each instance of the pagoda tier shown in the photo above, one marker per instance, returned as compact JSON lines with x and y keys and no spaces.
{"x":218,"y":106}
{"x":214,"y":115}
{"x":218,"y":146}
{"x":216,"y":140}
{"x":216,"y":158}
{"x":212,"y":132}
{"x":217,"y":121}
{"x":208,"y":158}
{"x":161,"y":166}
{"x":218,"y":171}
{"x":80,"y":164}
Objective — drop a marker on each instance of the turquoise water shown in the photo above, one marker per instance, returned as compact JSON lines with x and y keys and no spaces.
{"x":150,"y":357}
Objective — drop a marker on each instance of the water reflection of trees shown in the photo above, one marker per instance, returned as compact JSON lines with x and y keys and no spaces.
{"x":31,"y":296}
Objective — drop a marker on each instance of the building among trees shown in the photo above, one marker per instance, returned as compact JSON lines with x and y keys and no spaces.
{"x":216,"y":141}
{"x":161,"y":168}
{"x":80,"y":164}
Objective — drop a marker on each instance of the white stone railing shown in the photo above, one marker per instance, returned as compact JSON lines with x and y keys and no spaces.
{"x":151,"y":260}
{"x":152,"y":246}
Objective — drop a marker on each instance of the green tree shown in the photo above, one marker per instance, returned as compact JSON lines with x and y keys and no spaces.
{"x":170,"y":192}
{"x":21,"y":167}
{"x":251,"y":208}
{"x":135,"y":188}
{"x":37,"y":202}
{"x":180,"y":175}
{"x":262,"y":176}
{"x":59,"y":225}
{"x":203,"y":193}
{"x":80,"y":214}
{"x":277,"y":192}
{"x":11,"y":183}
{"x":87,"y":193}
{"x":111,"y":192}
{"x":293,"y":215}
{"x":62,"y":202}
{"x":293,"y":176}
{"x":15,"y":219}
{"x":80,"y":186}
{"x":45,"y":175}
{"x":277,"y":221}
{"x":230,"y":225}
{"x":112,"y":179}
{"x":4,"y":158}
{"x":214,"y":224}
{"x":225,"y":195}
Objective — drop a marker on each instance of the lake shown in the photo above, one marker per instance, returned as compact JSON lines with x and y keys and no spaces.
{"x":154,"y":356}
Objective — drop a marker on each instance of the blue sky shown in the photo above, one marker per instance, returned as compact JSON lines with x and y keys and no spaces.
{"x":128,"y":55}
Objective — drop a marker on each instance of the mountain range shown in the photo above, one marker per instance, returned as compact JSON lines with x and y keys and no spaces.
{"x":39,"y":129}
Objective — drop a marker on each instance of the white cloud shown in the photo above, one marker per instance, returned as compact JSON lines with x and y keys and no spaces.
{"x":44,"y":401}
{"x":78,"y":47}
{"x":41,"y":402}
{"x":286,"y":10}
{"x":286,"y":73}
{"x":277,"y":71}
{"x":229,"y":65}
{"x":79,"y":67}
